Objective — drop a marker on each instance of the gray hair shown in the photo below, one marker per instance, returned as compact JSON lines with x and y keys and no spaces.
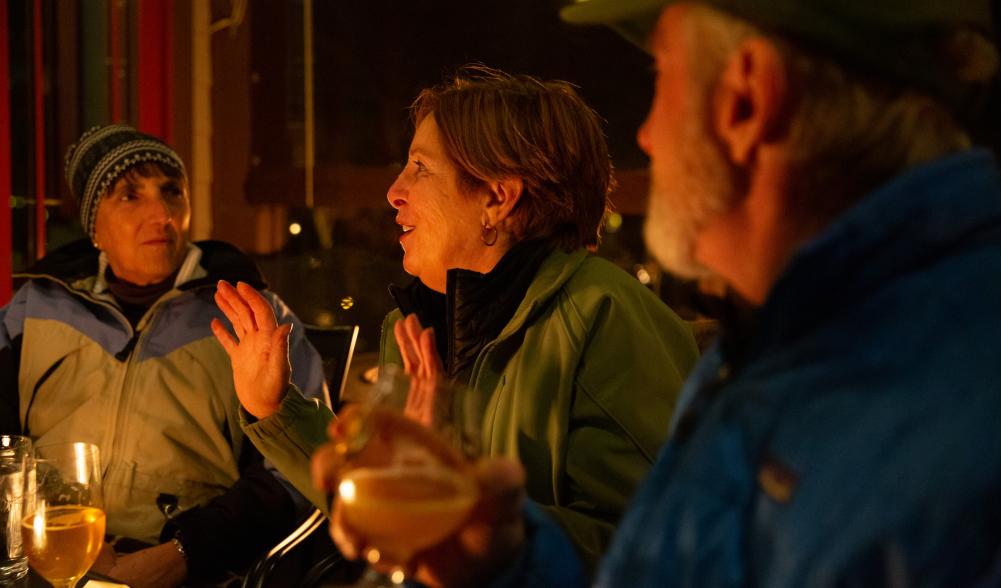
{"x":849,"y":132}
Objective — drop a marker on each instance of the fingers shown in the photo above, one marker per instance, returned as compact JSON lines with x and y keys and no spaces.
{"x":430,"y":362}
{"x":225,"y":339}
{"x":502,"y":487}
{"x":232,"y":304}
{"x":408,"y":348}
{"x":245,"y":307}
{"x":279,"y":340}
{"x":350,"y":544}
{"x":496,"y":526}
{"x":261,"y":312}
{"x":326,"y":465}
{"x":417,"y":348}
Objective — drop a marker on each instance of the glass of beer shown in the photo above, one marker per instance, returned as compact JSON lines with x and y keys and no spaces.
{"x":63,"y":530}
{"x":407,"y":482}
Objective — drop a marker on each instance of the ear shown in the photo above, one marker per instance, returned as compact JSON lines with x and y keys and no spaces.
{"x":502,"y":196}
{"x":749,"y":99}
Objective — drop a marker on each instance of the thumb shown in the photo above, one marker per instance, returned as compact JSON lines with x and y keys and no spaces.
{"x":502,"y":487}
{"x":280,"y":338}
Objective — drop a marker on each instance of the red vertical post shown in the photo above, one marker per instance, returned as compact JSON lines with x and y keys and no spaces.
{"x":39,"y":72}
{"x":6,"y":243}
{"x":115,"y":50}
{"x":154,"y":70}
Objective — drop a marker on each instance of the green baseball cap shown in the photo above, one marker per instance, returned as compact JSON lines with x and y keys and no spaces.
{"x":904,"y":40}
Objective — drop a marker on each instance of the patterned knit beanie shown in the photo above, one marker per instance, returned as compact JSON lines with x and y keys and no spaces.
{"x":104,"y":154}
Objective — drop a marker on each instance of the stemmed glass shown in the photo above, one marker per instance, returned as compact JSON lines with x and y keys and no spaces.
{"x":406,"y":484}
{"x":64,"y":525}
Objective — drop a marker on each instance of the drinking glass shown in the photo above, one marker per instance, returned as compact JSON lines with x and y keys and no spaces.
{"x":407,"y":482}
{"x":64,"y":529}
{"x":15,"y":477}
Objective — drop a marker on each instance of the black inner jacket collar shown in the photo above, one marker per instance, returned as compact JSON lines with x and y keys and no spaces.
{"x":475,"y":306}
{"x":135,"y":300}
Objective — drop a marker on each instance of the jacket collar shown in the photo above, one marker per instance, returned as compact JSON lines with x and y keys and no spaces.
{"x":553,"y":274}
{"x":206,"y":262}
{"x":476,"y":307}
{"x":920,"y":216}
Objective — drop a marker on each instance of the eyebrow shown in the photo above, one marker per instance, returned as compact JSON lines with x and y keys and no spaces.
{"x":122,"y":184}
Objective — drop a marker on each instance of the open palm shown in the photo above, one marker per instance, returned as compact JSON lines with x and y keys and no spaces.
{"x":258,"y":353}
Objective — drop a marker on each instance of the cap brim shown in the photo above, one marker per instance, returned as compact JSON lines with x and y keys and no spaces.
{"x":611,"y":11}
{"x":633,"y":19}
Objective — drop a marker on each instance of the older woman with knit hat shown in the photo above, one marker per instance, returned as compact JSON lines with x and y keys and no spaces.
{"x":108,"y":341}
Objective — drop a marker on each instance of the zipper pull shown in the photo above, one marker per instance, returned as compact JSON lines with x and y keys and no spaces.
{"x":126,"y":351}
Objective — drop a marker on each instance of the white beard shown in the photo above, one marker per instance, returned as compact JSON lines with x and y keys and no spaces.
{"x":703,"y":186}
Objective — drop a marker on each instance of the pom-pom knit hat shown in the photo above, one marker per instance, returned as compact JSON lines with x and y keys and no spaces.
{"x":102,"y":155}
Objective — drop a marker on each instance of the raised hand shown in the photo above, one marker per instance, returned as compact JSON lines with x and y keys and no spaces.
{"x":421,"y":362}
{"x":258,"y":353}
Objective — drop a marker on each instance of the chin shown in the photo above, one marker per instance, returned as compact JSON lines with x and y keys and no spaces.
{"x":670,"y":252}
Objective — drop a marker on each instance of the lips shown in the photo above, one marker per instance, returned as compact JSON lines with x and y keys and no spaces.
{"x":159,"y":241}
{"x":407,"y":229}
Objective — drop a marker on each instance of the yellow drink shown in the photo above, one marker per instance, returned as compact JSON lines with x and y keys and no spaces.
{"x":64,"y":543}
{"x":403,"y":509}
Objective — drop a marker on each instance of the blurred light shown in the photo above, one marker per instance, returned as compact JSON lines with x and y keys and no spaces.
{"x":373,"y":556}
{"x":642,"y":275}
{"x":398,"y":577}
{"x":324,"y":318}
{"x":613,"y":223}
{"x":371,"y":375}
{"x":81,"y":463}
{"x":347,"y":302}
{"x":347,"y":491}
{"x":295,"y":228}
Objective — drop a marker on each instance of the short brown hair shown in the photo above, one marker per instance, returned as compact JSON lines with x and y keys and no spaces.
{"x":495,"y":126}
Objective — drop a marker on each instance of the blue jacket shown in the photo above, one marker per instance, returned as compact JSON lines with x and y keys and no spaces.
{"x":852,"y":437}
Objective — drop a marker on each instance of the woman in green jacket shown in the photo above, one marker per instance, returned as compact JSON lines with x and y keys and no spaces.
{"x":500,"y":206}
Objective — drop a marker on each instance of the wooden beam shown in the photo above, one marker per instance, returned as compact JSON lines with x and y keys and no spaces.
{"x":6,"y":236}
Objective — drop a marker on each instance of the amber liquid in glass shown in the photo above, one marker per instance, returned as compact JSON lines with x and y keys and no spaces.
{"x":62,"y":545}
{"x":403,"y":509}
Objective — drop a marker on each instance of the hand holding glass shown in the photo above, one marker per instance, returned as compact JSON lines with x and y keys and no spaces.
{"x":404,"y":487}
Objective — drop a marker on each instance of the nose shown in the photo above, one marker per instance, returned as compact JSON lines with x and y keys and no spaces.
{"x":397,"y":194}
{"x":643,"y":135}
{"x":160,"y":210}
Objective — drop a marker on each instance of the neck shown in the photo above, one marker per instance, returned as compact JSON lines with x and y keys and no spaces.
{"x":484,"y":262}
{"x":750,"y":244}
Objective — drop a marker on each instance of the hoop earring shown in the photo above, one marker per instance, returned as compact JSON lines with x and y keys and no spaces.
{"x":488,"y":234}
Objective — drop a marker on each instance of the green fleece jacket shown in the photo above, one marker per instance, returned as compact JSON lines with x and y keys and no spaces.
{"x":581,"y":383}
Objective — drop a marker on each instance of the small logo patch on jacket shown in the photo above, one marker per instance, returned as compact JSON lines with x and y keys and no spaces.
{"x":778,"y":480}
